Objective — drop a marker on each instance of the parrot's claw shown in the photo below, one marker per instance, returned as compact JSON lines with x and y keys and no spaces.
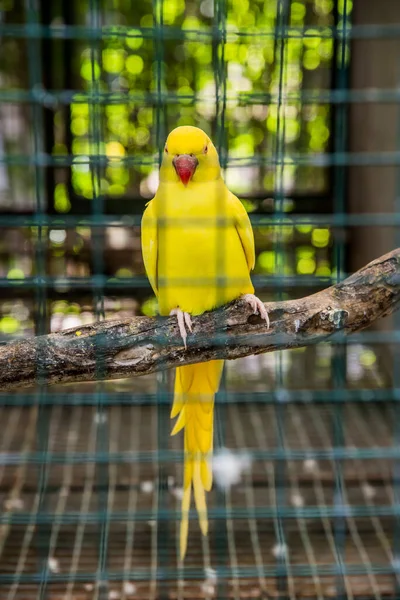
{"x":184,"y":321}
{"x":257,"y":306}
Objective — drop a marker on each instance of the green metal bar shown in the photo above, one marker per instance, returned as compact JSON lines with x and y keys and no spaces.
{"x":339,"y":159}
{"x":42,"y":538}
{"x":57,"y":97}
{"x":339,"y":362}
{"x":265,"y":219}
{"x":95,"y":136}
{"x":163,"y":410}
{"x":298,"y":397}
{"x":143,"y":575}
{"x":80,"y":32}
{"x":311,"y":512}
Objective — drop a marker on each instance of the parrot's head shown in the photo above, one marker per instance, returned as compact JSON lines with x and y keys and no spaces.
{"x":189,"y":156}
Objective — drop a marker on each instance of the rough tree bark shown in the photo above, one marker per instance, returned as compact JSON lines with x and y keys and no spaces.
{"x":141,"y":345}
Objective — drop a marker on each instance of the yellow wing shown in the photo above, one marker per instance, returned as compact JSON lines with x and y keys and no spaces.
{"x":150,"y":244}
{"x":244,"y":228}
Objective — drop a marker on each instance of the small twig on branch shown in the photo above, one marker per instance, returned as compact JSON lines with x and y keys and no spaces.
{"x":141,"y":345}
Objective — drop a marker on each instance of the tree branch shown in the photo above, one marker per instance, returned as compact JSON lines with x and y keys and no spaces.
{"x":141,"y":345}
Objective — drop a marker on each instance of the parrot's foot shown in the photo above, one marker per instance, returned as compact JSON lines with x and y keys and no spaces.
{"x":257,"y":306}
{"x":184,"y":321}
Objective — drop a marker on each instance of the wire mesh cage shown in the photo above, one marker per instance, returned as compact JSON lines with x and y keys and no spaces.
{"x":301,"y":100}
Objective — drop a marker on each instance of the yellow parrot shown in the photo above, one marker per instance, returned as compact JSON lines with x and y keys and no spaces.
{"x":198,"y":250}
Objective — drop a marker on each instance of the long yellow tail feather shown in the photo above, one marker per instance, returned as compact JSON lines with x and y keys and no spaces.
{"x":195,"y":387}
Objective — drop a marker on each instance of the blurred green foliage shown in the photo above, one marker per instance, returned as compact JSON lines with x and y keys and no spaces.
{"x":125,"y":67}
{"x":153,"y":66}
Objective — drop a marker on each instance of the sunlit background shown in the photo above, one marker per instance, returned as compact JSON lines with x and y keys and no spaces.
{"x":105,"y":101}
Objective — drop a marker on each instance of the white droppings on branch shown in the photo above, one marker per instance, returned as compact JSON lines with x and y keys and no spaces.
{"x":133,"y":356}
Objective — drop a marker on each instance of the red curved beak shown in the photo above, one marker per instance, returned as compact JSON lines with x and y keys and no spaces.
{"x":185,"y":166}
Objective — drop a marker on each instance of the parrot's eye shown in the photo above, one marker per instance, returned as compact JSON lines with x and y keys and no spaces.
{"x":166,"y":149}
{"x":205,"y":150}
